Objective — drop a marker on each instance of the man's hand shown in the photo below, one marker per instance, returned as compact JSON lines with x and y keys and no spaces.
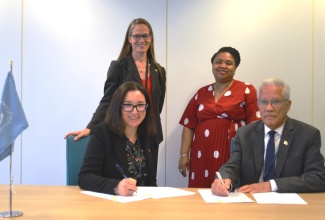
{"x":256,"y":188}
{"x":220,"y":190}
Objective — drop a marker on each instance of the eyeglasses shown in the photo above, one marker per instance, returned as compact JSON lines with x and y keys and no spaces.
{"x":130,"y":107}
{"x":273,"y":102}
{"x":137,"y":37}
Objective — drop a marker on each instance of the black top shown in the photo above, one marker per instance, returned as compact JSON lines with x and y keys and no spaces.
{"x":123,"y":71}
{"x":105,"y":149}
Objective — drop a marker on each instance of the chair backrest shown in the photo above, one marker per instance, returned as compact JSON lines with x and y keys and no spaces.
{"x":232,"y":145}
{"x":75,"y":153}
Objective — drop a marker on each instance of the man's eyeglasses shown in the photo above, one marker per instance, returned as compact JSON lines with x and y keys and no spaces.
{"x":273,"y":102}
{"x":130,"y":107}
{"x":137,"y":37}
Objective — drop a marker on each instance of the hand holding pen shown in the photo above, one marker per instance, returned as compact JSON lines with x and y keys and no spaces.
{"x":126,"y":186}
{"x":219,"y":187}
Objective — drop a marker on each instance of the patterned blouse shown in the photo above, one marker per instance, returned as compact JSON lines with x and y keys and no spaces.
{"x":137,"y":162}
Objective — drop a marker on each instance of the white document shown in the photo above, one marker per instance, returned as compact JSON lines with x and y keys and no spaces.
{"x":278,"y":198}
{"x":143,"y":193}
{"x":162,"y":192}
{"x":115,"y":198}
{"x":232,"y":198}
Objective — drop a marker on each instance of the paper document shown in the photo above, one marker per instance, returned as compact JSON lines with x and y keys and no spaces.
{"x":162,"y":192}
{"x":143,"y":193}
{"x":278,"y":198}
{"x":233,"y":197}
{"x":123,"y":199}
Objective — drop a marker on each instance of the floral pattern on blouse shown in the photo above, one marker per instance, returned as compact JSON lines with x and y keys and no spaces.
{"x":137,"y":167}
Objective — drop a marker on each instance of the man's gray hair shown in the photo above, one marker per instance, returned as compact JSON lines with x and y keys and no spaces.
{"x":277,"y":82}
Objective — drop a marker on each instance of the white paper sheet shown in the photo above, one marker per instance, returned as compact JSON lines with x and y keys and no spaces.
{"x":233,"y":197}
{"x":143,"y":193}
{"x":278,"y":198}
{"x":123,"y":199}
{"x":162,"y":192}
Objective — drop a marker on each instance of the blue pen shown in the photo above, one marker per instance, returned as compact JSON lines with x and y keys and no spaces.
{"x":121,"y":171}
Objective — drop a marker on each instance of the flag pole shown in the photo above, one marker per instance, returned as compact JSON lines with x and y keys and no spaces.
{"x":10,"y":213}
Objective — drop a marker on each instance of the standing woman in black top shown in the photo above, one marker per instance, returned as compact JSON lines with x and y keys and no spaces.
{"x":136,"y":62}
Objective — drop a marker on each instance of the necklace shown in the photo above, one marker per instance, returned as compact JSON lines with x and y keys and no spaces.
{"x":218,"y":92}
{"x":140,"y":69}
{"x":147,"y":65}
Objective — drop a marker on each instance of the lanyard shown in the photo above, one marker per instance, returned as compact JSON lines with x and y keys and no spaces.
{"x":147,"y":73}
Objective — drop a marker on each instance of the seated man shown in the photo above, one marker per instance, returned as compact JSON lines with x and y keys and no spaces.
{"x":276,"y":154}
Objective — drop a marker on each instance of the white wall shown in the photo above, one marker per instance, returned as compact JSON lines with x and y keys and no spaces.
{"x":10,"y":49}
{"x":62,"y":49}
{"x":319,"y":68}
{"x":67,"y":48}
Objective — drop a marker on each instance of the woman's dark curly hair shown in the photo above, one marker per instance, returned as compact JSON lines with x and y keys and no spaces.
{"x":234,"y":53}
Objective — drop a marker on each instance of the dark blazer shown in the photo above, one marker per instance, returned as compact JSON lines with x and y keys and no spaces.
{"x":123,"y":71}
{"x":105,"y":149}
{"x":299,"y":165}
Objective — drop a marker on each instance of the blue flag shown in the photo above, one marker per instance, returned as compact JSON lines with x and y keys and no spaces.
{"x":12,"y":117}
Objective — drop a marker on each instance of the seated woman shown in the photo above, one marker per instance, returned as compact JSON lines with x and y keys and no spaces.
{"x":122,"y":140}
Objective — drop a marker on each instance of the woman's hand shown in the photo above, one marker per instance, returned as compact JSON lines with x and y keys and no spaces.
{"x":184,"y":164}
{"x":127,"y":187}
{"x":184,"y":160}
{"x":79,"y":134}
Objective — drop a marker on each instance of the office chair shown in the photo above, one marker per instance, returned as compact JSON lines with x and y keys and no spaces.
{"x":232,"y":148}
{"x":75,"y":153}
{"x":232,"y":145}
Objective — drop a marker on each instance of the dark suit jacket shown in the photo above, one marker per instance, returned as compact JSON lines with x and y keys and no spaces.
{"x":123,"y":71}
{"x":299,"y":165}
{"x":105,"y":149}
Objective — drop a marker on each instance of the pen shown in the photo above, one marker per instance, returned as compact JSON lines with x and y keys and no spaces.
{"x":121,"y":171}
{"x":220,"y":178}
